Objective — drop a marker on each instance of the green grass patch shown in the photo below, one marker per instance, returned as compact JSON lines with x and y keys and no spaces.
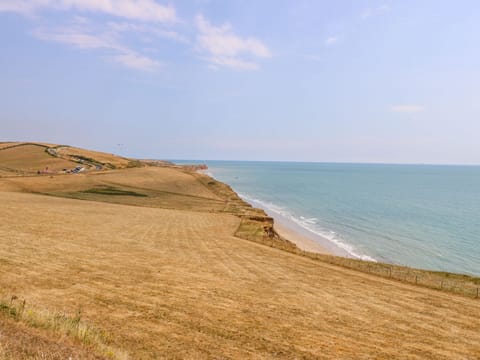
{"x":112,"y":192}
{"x":86,"y":159}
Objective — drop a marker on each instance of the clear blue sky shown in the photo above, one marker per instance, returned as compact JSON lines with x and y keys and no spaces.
{"x":355,"y":81}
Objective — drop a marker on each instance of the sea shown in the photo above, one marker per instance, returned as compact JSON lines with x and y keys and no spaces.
{"x":423,"y":216}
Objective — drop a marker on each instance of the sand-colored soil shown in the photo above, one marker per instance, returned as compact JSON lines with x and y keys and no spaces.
{"x":167,"y":283}
{"x":303,"y":242}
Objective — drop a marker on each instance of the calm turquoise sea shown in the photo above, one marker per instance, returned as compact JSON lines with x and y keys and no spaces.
{"x":424,"y":216}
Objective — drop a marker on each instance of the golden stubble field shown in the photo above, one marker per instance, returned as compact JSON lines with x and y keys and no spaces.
{"x":30,"y":158}
{"x":176,"y":283}
{"x":169,"y":283}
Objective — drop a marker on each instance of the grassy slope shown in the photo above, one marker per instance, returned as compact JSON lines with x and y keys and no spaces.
{"x":29,"y":158}
{"x":20,"y":341}
{"x":177,"y":283}
{"x":110,"y":160}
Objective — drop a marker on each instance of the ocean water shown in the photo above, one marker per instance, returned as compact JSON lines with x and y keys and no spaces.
{"x":425,"y":216}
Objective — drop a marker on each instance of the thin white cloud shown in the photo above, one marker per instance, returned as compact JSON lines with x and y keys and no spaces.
{"x":85,"y":31}
{"x":407,"y":108}
{"x":234,"y":63}
{"x":137,"y":21}
{"x":137,"y":61}
{"x":331,"y":40}
{"x":143,"y":10}
{"x":76,"y":38}
{"x":23,"y":7}
{"x":224,"y":48}
{"x":379,"y":10}
{"x":83,"y":39}
{"x":127,"y":27}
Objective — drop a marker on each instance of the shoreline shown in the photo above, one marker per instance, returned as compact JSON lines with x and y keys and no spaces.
{"x":305,"y":240}
{"x":289,"y":230}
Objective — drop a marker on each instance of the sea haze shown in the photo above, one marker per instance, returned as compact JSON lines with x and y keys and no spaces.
{"x":425,"y":216}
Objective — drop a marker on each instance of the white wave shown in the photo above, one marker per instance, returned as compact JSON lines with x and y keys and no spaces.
{"x":309,"y":220}
{"x":309,"y":224}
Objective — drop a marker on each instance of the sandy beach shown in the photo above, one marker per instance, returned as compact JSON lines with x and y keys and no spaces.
{"x":304,"y":242}
{"x":301,"y":237}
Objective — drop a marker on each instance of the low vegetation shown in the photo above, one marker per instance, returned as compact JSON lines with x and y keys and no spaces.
{"x":111,"y":191}
{"x":461,"y":284}
{"x":81,"y":339}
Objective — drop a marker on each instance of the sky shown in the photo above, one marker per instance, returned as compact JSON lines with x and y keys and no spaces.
{"x":329,"y":81}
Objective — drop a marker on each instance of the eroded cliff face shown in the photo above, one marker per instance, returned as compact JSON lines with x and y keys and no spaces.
{"x":255,"y":224}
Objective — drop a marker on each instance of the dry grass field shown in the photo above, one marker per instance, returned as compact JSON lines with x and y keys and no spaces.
{"x":20,"y":158}
{"x":100,"y":157}
{"x":20,"y":341}
{"x":4,"y":145}
{"x":143,"y":263}
{"x":30,"y":159}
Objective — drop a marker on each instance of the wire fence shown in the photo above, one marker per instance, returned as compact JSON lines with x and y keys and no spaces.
{"x":444,"y":281}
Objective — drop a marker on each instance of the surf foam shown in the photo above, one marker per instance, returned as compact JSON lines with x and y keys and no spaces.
{"x":309,"y":224}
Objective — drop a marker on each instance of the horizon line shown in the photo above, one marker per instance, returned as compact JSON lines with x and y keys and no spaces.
{"x":330,"y":162}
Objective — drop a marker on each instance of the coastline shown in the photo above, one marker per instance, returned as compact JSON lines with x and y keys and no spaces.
{"x":303,"y":242}
{"x":304,"y":239}
{"x":176,"y":235}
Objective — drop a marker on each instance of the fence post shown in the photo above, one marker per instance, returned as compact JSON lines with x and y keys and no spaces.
{"x":390,"y":271}
{"x":477,"y":292}
{"x":441,"y":284}
{"x":416,"y":279}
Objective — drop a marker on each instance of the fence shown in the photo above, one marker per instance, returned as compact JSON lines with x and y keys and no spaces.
{"x":444,"y":281}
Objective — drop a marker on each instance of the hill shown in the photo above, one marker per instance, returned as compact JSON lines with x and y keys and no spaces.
{"x":23,"y":158}
{"x":146,"y":262}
